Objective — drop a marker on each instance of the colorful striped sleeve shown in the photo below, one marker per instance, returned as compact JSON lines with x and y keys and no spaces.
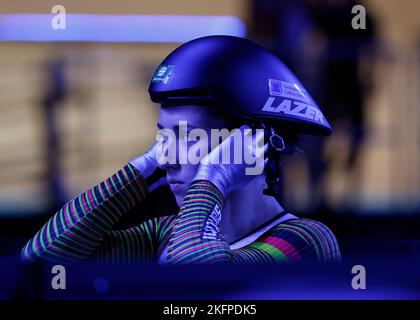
{"x":291,"y":241}
{"x":143,"y":242}
{"x":197,"y":238}
{"x":79,"y":227}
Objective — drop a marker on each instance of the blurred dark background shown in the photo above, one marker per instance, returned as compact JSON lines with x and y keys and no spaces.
{"x":74,"y":111}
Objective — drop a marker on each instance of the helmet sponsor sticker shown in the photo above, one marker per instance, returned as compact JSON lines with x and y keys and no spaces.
{"x":163,"y":74}
{"x":285,"y":89}
{"x":289,"y":99}
{"x":294,"y":108}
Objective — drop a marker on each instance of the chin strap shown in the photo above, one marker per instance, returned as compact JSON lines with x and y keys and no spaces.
{"x":275,"y":147}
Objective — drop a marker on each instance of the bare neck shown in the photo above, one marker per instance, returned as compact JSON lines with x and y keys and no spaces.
{"x":247,"y":208}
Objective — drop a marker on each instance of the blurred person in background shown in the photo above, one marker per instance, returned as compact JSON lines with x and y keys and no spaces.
{"x":335,"y":63}
{"x":225,"y":214}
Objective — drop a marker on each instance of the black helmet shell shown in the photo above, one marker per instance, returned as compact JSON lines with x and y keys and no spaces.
{"x":243,"y":78}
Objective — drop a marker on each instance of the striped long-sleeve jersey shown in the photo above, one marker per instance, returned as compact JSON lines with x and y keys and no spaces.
{"x":83,"y":229}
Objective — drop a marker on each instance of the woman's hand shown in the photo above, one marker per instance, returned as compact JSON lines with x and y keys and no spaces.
{"x":147,"y":164}
{"x":228,"y":165}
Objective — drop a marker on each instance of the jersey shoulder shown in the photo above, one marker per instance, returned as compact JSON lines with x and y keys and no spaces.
{"x":300,"y":239}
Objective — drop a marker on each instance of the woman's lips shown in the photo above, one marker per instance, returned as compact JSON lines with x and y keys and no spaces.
{"x":176,"y":186}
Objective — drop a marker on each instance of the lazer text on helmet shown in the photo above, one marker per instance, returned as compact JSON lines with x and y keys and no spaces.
{"x":282,"y":99}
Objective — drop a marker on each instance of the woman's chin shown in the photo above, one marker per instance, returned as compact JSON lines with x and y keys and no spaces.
{"x":179,"y":200}
{"x":179,"y":197}
{"x":179,"y":191}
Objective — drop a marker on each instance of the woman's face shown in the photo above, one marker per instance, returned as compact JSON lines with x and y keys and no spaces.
{"x":180,"y":174}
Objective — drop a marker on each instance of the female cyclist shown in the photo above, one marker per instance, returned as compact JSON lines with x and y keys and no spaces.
{"x":225,"y":214}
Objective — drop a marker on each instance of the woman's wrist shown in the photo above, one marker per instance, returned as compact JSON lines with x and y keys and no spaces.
{"x":142,"y":164}
{"x":152,"y":176}
{"x":214,"y":176}
{"x":147,"y":165}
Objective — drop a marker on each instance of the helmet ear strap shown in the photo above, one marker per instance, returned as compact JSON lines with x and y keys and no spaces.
{"x":276,"y":147}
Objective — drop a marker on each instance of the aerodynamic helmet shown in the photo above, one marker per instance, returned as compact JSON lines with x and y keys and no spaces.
{"x":242,"y":78}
